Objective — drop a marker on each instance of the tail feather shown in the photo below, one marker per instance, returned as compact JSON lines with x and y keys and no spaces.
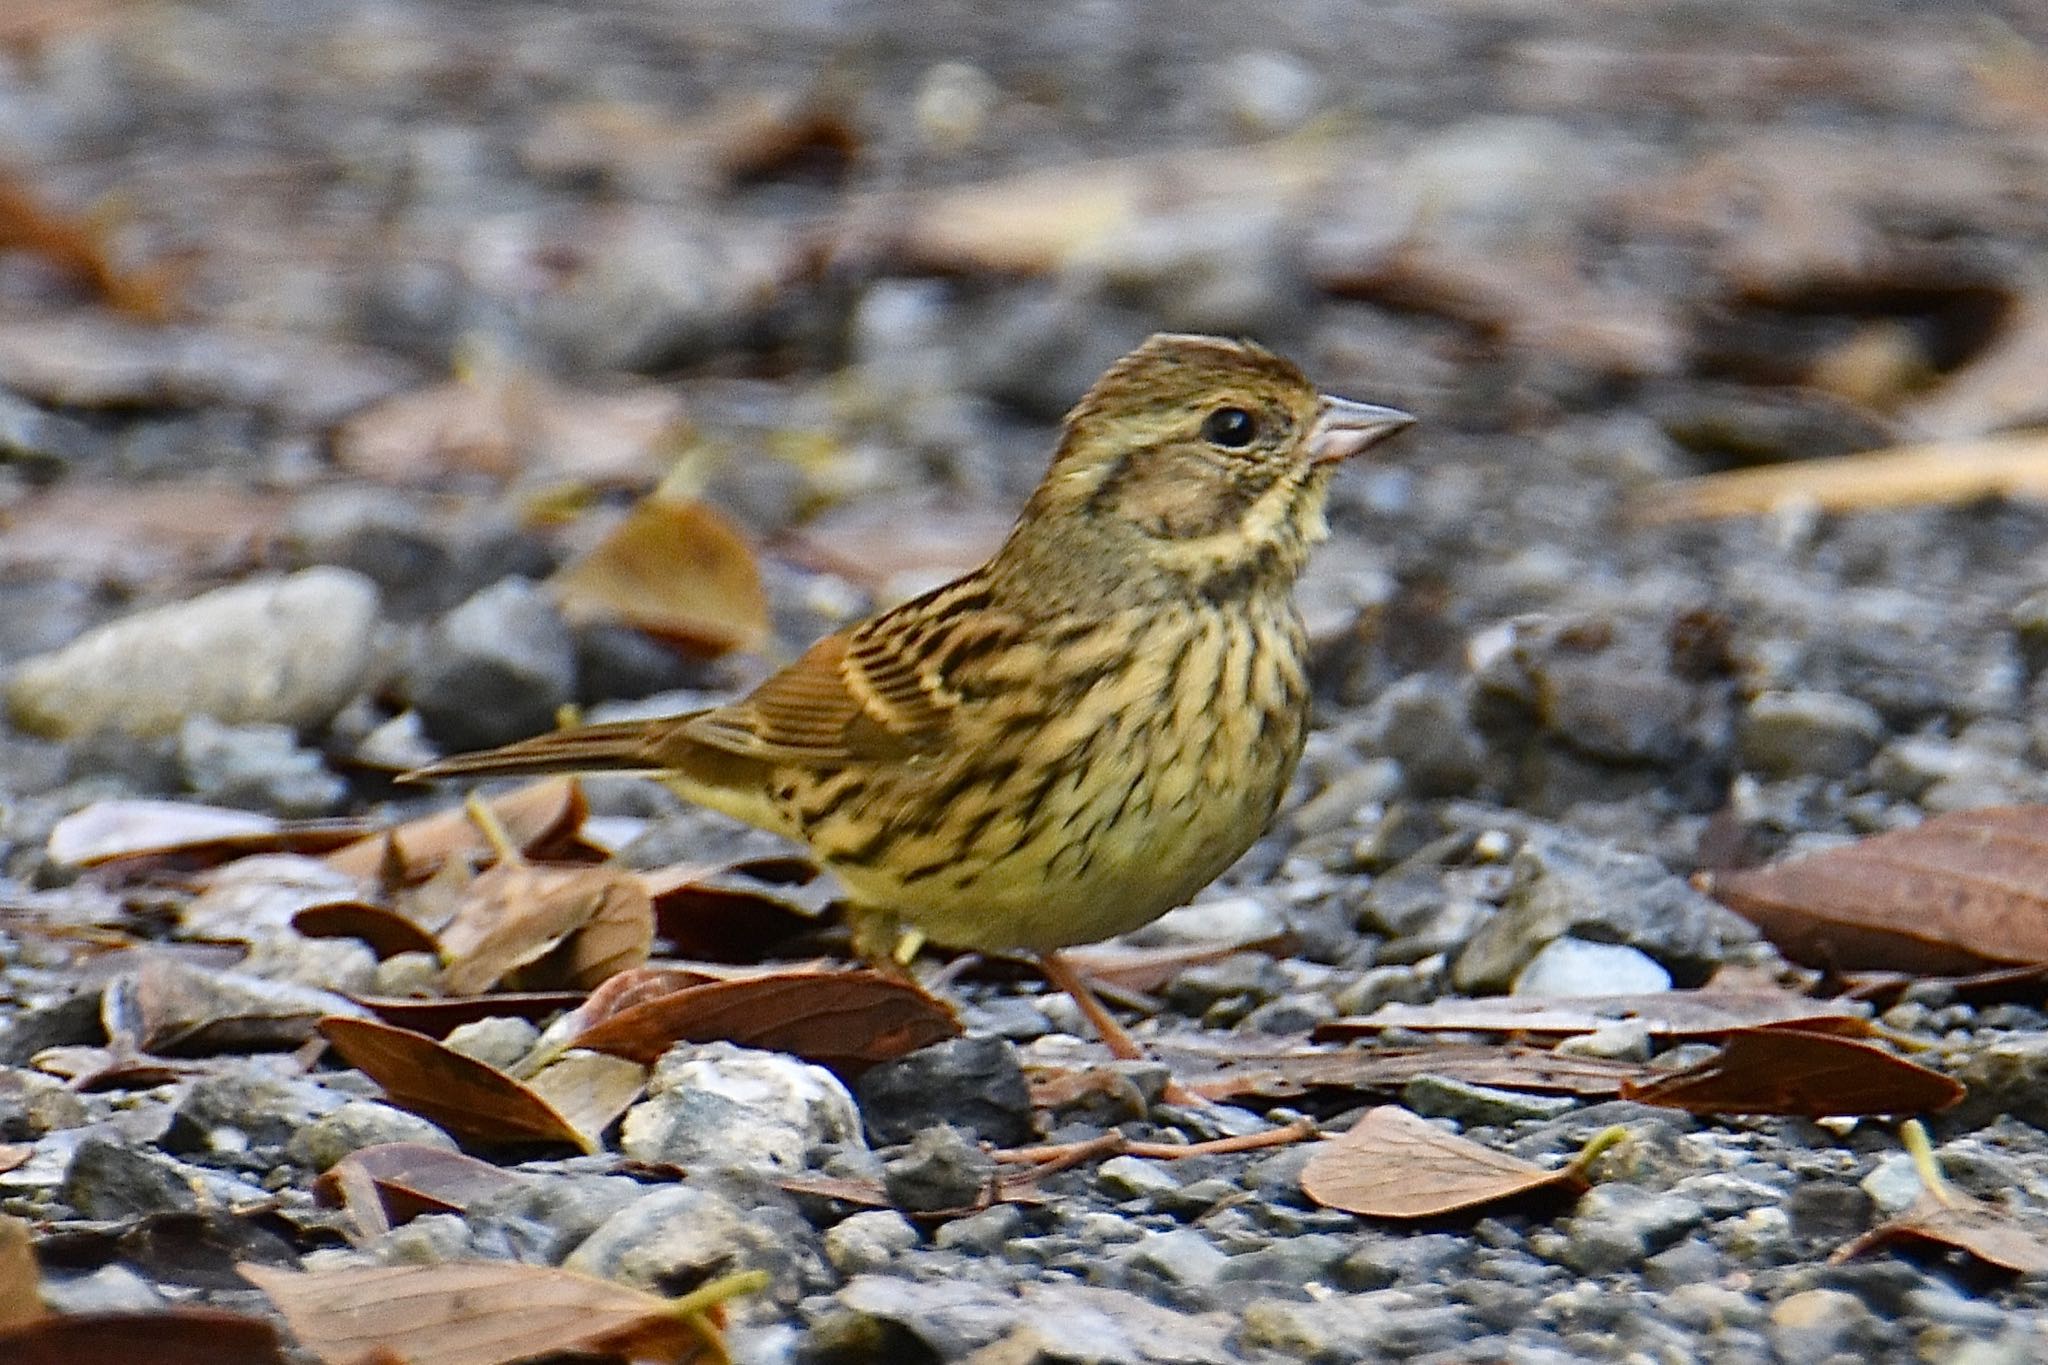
{"x":619,"y":746}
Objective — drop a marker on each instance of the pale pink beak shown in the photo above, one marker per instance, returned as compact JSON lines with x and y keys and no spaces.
{"x":1344,"y":428}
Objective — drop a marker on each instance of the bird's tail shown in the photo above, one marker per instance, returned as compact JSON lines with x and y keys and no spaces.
{"x":619,"y":746}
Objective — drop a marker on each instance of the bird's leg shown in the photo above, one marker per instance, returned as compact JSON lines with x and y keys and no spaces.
{"x":1064,"y":976}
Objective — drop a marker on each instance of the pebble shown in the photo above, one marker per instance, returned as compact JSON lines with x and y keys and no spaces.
{"x":987,"y":1233}
{"x":356,"y":1125}
{"x":495,"y":669}
{"x":1130,"y":1177}
{"x":237,"y":1110}
{"x":499,"y":1041}
{"x":1571,"y":966}
{"x":1812,"y":1326}
{"x":679,"y":1234}
{"x":868,"y":1241}
{"x":262,"y":767}
{"x":285,"y":651}
{"x":1481,"y":1105}
{"x":942,"y":1168}
{"x":1182,"y":1257}
{"x":1422,"y":723}
{"x":717,"y":1104}
{"x":976,"y":1083}
{"x":1793,"y":734}
{"x":1614,"y":1227}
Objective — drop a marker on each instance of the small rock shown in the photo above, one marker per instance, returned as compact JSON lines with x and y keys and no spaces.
{"x":1296,"y":1012}
{"x":1422,"y":723}
{"x":1571,"y":966}
{"x":1223,"y":919}
{"x":1181,"y":1257}
{"x":237,"y":1110}
{"x":1383,"y":1324}
{"x":1816,"y":1324}
{"x":1793,"y":734}
{"x":976,"y":1083}
{"x":114,"y":1180}
{"x":982,"y":1234}
{"x":498,"y":1041}
{"x":287,"y":651}
{"x":1614,"y":1227}
{"x":545,"y":1216}
{"x":1624,"y":1041}
{"x":262,"y":767}
{"x":379,"y":533}
{"x":110,"y":1289}
{"x":1130,"y":1177}
{"x":1268,"y":92}
{"x":868,"y":1241}
{"x":1444,"y":1097}
{"x":943,"y":1169}
{"x":716,"y":1104}
{"x":495,"y":669}
{"x":356,"y":1125}
{"x":1565,"y":883}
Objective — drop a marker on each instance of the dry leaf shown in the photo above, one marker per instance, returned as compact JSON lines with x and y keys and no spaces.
{"x":1957,"y":894}
{"x":386,"y":931}
{"x":107,"y":831}
{"x":1124,"y":966}
{"x":541,"y":817}
{"x":437,"y":1018}
{"x":1392,"y":1164}
{"x":516,"y":914}
{"x":154,"y":534}
{"x":846,"y":1020}
{"x":1704,"y":1013}
{"x":412,"y":1178}
{"x":483,"y":1313}
{"x":2012,"y":466}
{"x":78,"y":246}
{"x":1508,"y":1067}
{"x":739,"y":912}
{"x":463,"y":1095}
{"x":1790,"y":1071}
{"x":589,"y":1089}
{"x":172,"y":1008}
{"x":1962,"y":1224}
{"x":15,"y":1154}
{"x":20,"y":1279}
{"x":675,"y":568}
{"x":174,"y":1336}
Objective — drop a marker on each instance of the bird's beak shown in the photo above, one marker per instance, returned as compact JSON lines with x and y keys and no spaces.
{"x":1344,"y":428}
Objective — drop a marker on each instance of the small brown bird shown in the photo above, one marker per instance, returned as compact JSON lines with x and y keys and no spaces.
{"x":1080,"y":734}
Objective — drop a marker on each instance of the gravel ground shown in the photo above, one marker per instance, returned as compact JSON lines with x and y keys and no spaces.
{"x":1592,"y":249}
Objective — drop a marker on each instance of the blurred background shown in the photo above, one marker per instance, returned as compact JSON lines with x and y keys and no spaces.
{"x":618,"y":349}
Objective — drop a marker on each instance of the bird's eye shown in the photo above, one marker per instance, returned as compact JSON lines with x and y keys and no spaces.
{"x":1231,"y":428}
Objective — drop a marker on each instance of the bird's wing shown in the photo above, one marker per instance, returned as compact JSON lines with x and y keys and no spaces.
{"x":869,"y":694}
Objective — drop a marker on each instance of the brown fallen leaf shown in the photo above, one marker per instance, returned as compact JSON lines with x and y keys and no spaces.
{"x":20,"y":1279}
{"x":1531,"y":1070}
{"x":437,"y":1018}
{"x":1123,"y":966}
{"x":1947,"y":472}
{"x":411,"y":1178}
{"x":1705,"y":1013}
{"x":1392,"y":1164}
{"x":846,"y":1020}
{"x":171,"y":1008}
{"x":15,"y":1154}
{"x":386,"y":931}
{"x":1791,"y":1071}
{"x":675,"y":568}
{"x":174,"y":1336}
{"x":463,"y":1095}
{"x":79,"y":247}
{"x":489,"y":1313}
{"x":1945,"y":1217}
{"x":737,"y":912}
{"x":109,"y":831}
{"x":1958,"y":894}
{"x":541,"y":819}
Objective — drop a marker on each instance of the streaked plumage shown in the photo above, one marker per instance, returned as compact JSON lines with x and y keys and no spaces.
{"x":1080,"y":734}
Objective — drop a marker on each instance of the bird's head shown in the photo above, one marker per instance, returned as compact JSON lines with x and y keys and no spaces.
{"x":1201,"y":456}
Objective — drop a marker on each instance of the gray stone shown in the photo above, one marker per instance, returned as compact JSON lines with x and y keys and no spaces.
{"x":868,"y":1241}
{"x":976,"y":1083}
{"x":262,"y":767}
{"x":499,"y":1041}
{"x":944,"y":1168}
{"x":1181,"y":1257}
{"x":1614,"y":1227}
{"x":1421,"y":722}
{"x":378,"y":532}
{"x":495,"y":669}
{"x":71,"y":1022}
{"x":1267,"y":92}
{"x":950,"y":1319}
{"x":546,"y":1216}
{"x":356,"y":1125}
{"x":110,"y":1289}
{"x":1571,"y":966}
{"x":1296,"y":1260}
{"x":675,"y":1235}
{"x":984,"y":1234}
{"x":1566,"y":884}
{"x":1893,"y":1184}
{"x":716,"y":1104}
{"x":1341,"y":1329}
{"x":1811,"y":1326}
{"x":237,"y":1110}
{"x":114,"y":1180}
{"x":289,"y":651}
{"x":1130,"y":1177}
{"x":1794,"y":734}
{"x":1445,"y":1097}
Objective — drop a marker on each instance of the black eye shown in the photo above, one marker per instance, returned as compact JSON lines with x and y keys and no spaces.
{"x":1231,"y":428}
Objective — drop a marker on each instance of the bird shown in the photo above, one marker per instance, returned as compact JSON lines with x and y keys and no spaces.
{"x":1065,"y":743}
